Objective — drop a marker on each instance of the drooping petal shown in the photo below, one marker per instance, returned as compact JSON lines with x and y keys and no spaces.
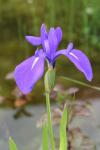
{"x":29,"y":72}
{"x":80,"y":60}
{"x":58,"y":34}
{"x":35,"y":41}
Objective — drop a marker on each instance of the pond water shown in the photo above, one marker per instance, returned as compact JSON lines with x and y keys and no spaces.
{"x":28,"y":136}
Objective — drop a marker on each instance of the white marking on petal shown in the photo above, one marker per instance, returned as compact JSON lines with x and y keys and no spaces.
{"x":34,"y":62}
{"x":74,"y":56}
{"x":47,"y":47}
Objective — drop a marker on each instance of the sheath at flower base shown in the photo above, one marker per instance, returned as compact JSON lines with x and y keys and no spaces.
{"x":32,"y":69}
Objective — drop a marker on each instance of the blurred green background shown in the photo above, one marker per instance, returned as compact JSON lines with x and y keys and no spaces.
{"x":79,"y":20}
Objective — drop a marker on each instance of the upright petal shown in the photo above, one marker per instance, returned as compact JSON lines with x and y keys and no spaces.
{"x":53,"y":43}
{"x":44,"y":37}
{"x":58,"y":34}
{"x":35,"y":41}
{"x":44,"y":34}
{"x":29,"y":72}
{"x":80,"y":60}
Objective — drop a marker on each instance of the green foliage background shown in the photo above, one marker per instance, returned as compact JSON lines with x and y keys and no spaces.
{"x":79,"y":19}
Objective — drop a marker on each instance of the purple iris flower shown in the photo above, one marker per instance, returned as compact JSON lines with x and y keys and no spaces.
{"x":31,"y":70}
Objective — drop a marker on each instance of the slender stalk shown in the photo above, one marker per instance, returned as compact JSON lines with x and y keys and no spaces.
{"x":49,"y":120}
{"x":67,"y":134}
{"x":82,"y":83}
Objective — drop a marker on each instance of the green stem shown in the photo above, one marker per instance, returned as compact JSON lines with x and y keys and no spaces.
{"x":67,"y":134}
{"x":49,"y":120}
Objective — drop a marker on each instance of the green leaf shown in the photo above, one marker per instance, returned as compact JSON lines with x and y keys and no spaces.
{"x":45,"y":138}
{"x":12,"y":145}
{"x":81,"y":83}
{"x":63,"y":132}
{"x":49,"y":80}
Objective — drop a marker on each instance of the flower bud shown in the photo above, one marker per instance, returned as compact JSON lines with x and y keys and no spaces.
{"x":49,"y":79}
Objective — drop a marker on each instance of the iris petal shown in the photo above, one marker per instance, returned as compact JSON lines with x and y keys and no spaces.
{"x":80,"y":60}
{"x":53,"y":43}
{"x":29,"y":72}
{"x":58,"y":34}
{"x":50,"y":40}
{"x":69,"y":47}
{"x":44,"y":36}
{"x":35,"y":41}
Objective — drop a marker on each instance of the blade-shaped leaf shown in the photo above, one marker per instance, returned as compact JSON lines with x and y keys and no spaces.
{"x":63,"y":134}
{"x":45,"y":138}
{"x":12,"y":145}
{"x":81,"y":83}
